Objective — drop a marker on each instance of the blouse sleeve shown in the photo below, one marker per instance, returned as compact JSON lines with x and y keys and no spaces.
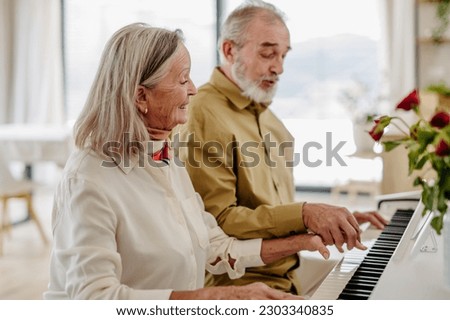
{"x":246,"y":253}
{"x":85,"y":252}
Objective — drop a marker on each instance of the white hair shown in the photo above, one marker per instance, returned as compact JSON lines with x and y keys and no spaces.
{"x":137,"y":54}
{"x":236,"y":25}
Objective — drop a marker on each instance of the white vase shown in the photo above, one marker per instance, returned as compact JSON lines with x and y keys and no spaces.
{"x":446,"y":247}
{"x":363,"y":141}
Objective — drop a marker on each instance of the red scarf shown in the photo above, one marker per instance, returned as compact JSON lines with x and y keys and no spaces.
{"x":162,"y":154}
{"x":159,"y":134}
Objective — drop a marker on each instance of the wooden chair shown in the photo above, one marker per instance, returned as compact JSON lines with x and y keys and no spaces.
{"x":10,"y":188}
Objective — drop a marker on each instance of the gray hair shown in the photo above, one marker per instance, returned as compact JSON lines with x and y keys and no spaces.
{"x":235,"y":26}
{"x":137,"y":54}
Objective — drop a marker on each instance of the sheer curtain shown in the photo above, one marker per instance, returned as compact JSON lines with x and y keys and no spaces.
{"x":398,"y":38}
{"x":31,"y":81}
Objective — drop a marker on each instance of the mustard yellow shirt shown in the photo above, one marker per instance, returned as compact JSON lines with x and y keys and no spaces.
{"x":239,"y":157}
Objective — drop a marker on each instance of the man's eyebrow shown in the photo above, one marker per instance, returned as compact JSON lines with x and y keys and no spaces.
{"x":271,"y":44}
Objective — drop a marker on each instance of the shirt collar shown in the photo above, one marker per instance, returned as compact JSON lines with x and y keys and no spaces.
{"x":127,"y":162}
{"x":150,"y":147}
{"x":232,"y":91}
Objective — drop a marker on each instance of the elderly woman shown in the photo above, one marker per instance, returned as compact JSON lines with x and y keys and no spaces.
{"x":127,"y":223}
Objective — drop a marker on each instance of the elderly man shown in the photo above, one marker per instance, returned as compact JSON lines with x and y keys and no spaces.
{"x":239,"y":152}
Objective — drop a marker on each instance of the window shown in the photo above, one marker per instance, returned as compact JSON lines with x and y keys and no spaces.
{"x":331,"y":74}
{"x":331,"y":77}
{"x":88,"y":25}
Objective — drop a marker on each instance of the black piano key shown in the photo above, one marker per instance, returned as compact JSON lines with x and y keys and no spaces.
{"x":376,"y":265}
{"x":345,"y":296}
{"x":377,"y":260}
{"x":390,"y":236}
{"x":381,"y":255}
{"x":385,"y":244}
{"x":361,"y":285}
{"x":392,"y":233}
{"x":371,"y":270}
{"x":366,"y":276}
{"x":381,"y":249}
{"x":355,"y":293}
{"x":364,"y":281}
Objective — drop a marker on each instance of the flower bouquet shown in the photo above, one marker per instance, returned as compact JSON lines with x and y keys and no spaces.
{"x":428,"y":146}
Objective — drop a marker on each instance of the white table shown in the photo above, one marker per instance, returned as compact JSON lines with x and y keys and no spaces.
{"x":30,"y":143}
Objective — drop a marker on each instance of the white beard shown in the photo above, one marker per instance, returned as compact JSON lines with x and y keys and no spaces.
{"x":249,"y":88}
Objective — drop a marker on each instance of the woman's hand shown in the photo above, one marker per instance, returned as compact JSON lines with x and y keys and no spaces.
{"x":276,"y":249}
{"x":254,"y":291}
{"x":313,"y":242}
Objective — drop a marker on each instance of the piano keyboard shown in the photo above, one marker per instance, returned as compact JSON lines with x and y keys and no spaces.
{"x":357,"y":274}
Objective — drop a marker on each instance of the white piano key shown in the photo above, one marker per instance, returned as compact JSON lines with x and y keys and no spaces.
{"x":335,"y":283}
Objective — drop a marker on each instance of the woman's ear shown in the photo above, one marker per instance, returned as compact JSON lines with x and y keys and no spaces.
{"x":141,"y":99}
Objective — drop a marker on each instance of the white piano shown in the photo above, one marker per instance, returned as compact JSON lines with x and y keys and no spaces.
{"x":404,"y":261}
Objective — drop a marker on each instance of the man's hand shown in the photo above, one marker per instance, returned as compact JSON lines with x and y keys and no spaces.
{"x":335,"y":225}
{"x":373,"y":217}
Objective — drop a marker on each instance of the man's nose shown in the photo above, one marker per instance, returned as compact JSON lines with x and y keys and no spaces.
{"x":277,"y":66}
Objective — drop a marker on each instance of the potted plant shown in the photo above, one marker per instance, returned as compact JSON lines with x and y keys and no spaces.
{"x":428,"y":144}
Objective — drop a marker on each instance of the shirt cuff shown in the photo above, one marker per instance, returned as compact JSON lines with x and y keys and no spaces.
{"x":289,"y":219}
{"x":247,"y":254}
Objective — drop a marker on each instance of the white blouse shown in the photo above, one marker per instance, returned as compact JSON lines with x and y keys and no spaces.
{"x":136,"y":230}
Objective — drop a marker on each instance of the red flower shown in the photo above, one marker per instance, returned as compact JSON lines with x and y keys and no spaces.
{"x":440,"y":119}
{"x":442,"y":148}
{"x":410,"y":102}
{"x":376,"y":134}
{"x":378,"y":129}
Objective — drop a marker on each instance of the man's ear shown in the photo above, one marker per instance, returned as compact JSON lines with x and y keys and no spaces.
{"x":229,"y":48}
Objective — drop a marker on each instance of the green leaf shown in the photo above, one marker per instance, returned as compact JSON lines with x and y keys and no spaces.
{"x":371,"y":117}
{"x":418,"y":181}
{"x":442,"y":205}
{"x":419,"y":165}
{"x":390,"y":145}
{"x":439,"y":88}
{"x":437,"y":223}
{"x":446,"y":133}
{"x":413,"y":155}
{"x":425,"y":137}
{"x":428,"y":196}
{"x":438,"y":163}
